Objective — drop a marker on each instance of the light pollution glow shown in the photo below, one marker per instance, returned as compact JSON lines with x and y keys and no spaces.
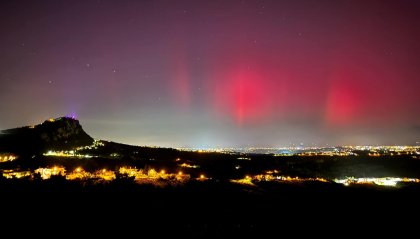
{"x":215,"y":73}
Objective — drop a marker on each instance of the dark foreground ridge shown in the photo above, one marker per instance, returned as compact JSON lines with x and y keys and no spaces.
{"x":209,"y":209}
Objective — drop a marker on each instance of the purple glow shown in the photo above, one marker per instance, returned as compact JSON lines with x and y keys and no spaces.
{"x":216,"y":72}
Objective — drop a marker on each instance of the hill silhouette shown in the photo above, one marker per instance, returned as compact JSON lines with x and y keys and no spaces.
{"x":31,"y":143}
{"x":56,"y":134}
{"x":218,"y":197}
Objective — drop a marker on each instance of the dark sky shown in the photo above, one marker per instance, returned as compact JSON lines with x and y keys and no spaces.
{"x":215,"y":73}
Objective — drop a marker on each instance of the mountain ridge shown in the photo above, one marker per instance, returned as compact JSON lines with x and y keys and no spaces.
{"x":59,"y":134}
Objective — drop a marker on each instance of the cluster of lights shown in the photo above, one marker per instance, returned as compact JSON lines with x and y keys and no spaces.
{"x":9,"y":174}
{"x":7,"y":158}
{"x":105,"y":174}
{"x":61,"y":118}
{"x":186,"y":165}
{"x":78,"y":152}
{"x":96,"y":144}
{"x":386,"y":150}
{"x":153,"y":176}
{"x":387,"y":181}
{"x":270,"y":176}
{"x":140,"y":176}
{"x":74,"y":153}
{"x":70,"y":153}
{"x":209,"y":150}
{"x":46,"y":173}
{"x":247,"y":180}
{"x":244,"y":158}
{"x":80,"y":174}
{"x":325,"y":153}
{"x":313,"y":151}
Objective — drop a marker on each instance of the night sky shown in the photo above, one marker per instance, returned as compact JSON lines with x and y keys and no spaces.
{"x":217,"y":72}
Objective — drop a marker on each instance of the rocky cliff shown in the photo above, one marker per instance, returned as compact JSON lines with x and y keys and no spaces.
{"x":54,"y":134}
